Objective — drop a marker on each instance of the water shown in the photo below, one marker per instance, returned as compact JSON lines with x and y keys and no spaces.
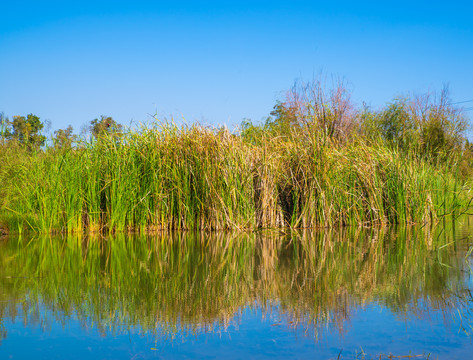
{"x":348,"y":294}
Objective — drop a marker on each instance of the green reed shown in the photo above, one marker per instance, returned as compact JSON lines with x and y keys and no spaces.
{"x":167,"y":177}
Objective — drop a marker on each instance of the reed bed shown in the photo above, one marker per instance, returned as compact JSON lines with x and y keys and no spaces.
{"x":180,"y":178}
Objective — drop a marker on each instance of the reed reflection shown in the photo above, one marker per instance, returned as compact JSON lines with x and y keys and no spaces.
{"x":183,"y":283}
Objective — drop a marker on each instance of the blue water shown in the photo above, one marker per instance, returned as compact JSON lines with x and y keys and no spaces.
{"x":434,"y":324}
{"x":372,"y":329}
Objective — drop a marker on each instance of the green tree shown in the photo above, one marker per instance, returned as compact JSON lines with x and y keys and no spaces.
{"x":25,"y":130}
{"x":427,"y":124}
{"x":283,"y":120}
{"x":397,"y":126}
{"x":105,"y":125}
{"x":63,"y":139}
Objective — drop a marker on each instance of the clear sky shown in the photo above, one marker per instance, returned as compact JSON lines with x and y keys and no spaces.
{"x":218,"y":62}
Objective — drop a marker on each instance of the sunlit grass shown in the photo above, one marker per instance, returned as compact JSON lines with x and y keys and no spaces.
{"x":191,"y":177}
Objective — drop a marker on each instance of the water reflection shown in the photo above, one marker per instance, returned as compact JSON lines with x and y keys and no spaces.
{"x":185,"y":283}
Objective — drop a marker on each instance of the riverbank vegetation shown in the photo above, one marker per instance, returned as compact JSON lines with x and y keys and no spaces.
{"x":317,"y":161}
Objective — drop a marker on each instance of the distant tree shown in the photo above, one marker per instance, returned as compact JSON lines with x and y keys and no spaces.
{"x":397,"y":125}
{"x":105,"y":125}
{"x":427,"y":124}
{"x":283,"y":119}
{"x":64,"y":139}
{"x":25,"y":130}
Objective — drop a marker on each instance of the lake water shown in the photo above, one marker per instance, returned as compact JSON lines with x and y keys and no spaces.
{"x":346,"y":294}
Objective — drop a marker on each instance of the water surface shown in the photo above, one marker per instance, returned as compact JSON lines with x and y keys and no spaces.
{"x":352,"y":293}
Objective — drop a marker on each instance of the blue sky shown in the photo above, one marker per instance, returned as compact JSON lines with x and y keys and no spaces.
{"x":217,"y":62}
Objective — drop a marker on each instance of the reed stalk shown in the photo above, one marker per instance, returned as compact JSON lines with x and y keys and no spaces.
{"x":167,"y":177}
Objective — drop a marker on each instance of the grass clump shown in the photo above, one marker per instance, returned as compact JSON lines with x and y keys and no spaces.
{"x":316,"y":162}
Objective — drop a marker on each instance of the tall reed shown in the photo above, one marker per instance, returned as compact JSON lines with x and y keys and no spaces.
{"x":193,"y":177}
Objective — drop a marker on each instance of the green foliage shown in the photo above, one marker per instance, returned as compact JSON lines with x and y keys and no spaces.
{"x":284,"y":120}
{"x":196,"y":178}
{"x":396,"y":126}
{"x":251,"y":133}
{"x":25,"y":130}
{"x":105,"y":126}
{"x":64,"y":139}
{"x":314,"y":162}
{"x":426,"y":125}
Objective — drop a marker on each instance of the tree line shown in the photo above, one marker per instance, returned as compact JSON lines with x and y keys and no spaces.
{"x":27,"y":131}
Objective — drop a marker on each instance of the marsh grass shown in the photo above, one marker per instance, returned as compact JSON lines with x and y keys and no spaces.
{"x":194,"y":178}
